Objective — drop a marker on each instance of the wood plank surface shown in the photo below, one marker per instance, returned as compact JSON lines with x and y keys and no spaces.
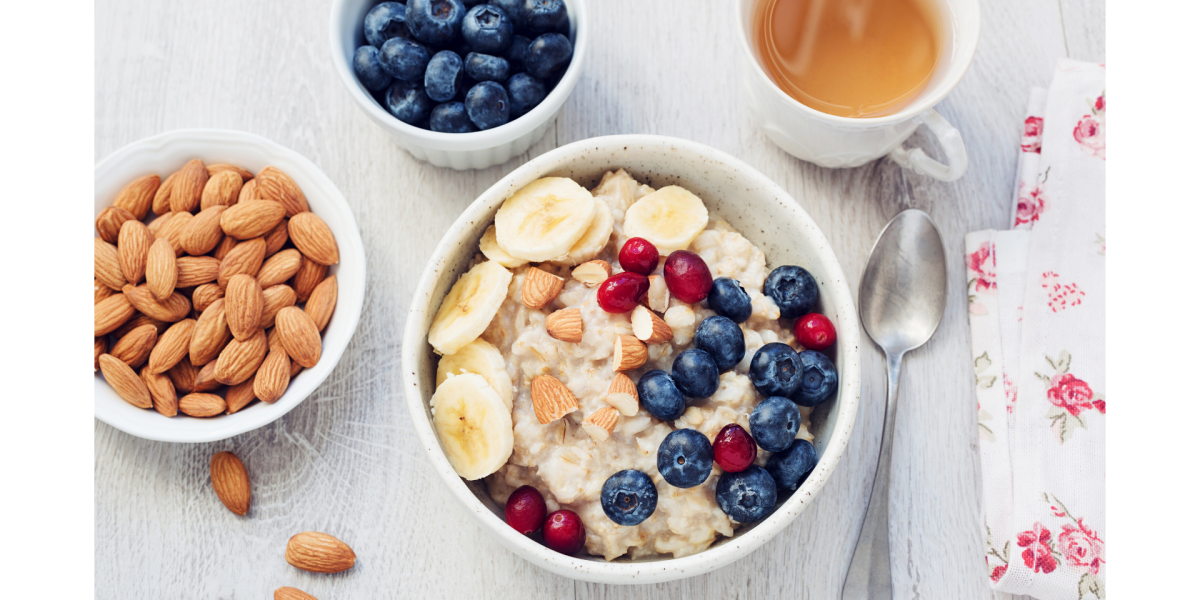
{"x":346,"y":462}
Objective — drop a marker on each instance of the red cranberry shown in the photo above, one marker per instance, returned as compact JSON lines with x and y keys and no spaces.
{"x":525,"y":509}
{"x":564,"y":532}
{"x":622,"y":292}
{"x":734,"y":449}
{"x":815,"y":331}
{"x":687,"y":276}
{"x":639,"y":256}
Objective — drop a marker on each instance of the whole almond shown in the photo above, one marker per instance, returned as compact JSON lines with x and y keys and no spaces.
{"x":277,"y":237}
{"x":205,"y":294}
{"x":111,"y":313}
{"x":210,"y":335}
{"x":540,"y":288}
{"x":565,"y":325}
{"x":138,"y":320}
{"x":279,"y":268}
{"x":276,"y":185}
{"x":101,"y":347}
{"x":321,"y":303}
{"x":241,"y":358}
{"x":249,"y":192}
{"x":174,"y":308}
{"x":188,"y":186}
{"x":224,"y":247}
{"x":245,"y":221}
{"x":161,"y":271}
{"x":162,"y":392}
{"x":108,"y":222}
{"x":299,"y":336}
{"x":307,"y":277}
{"x":156,"y":224}
{"x":100,"y":291}
{"x":206,"y":379}
{"x":222,"y":189}
{"x":108,"y":265}
{"x":124,"y":381}
{"x":138,"y":196}
{"x":319,"y":553}
{"x":273,"y":376}
{"x":135,"y":347}
{"x":313,"y":238}
{"x":203,"y":233}
{"x":183,"y":376}
{"x":201,"y":405}
{"x":196,"y":270}
{"x":230,"y":481}
{"x":238,"y":396}
{"x":172,"y":346}
{"x":174,"y":229}
{"x":161,"y":204}
{"x":245,"y":259}
{"x":275,"y":299}
{"x":296,"y":368}
{"x":551,"y":399}
{"x":291,"y":593}
{"x":133,"y":243}
{"x":243,"y":306}
{"x":243,"y":174}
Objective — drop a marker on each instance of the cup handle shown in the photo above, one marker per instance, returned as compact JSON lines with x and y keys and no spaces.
{"x":952,"y":145}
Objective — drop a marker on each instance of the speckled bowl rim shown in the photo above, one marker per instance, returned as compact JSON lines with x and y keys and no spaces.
{"x":646,"y":571}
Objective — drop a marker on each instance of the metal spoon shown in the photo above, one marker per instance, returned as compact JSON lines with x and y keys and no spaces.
{"x":900,"y":300}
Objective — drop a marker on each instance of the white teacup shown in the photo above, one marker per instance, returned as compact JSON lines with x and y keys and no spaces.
{"x":832,"y":141}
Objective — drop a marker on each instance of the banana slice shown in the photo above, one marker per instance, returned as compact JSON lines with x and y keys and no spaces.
{"x":594,"y":239}
{"x":491,"y":249}
{"x":544,"y":219}
{"x":481,"y":358}
{"x":670,"y":218}
{"x":469,"y":307}
{"x":475,"y":427}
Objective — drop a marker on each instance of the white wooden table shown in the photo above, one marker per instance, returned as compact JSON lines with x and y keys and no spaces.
{"x":345,"y":461}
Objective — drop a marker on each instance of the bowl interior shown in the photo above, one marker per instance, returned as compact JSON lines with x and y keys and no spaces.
{"x":166,"y":153}
{"x":756,"y":207}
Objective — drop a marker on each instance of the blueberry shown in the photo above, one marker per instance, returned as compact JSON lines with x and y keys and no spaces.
{"x":368,"y":70}
{"x":512,"y":8}
{"x":774,"y":423}
{"x":543,"y":15}
{"x":629,"y":497}
{"x":722,"y":339}
{"x":404,"y":59}
{"x":548,"y":54}
{"x":685,"y":458}
{"x":515,"y":54}
{"x":525,"y":92}
{"x":728,"y":299}
{"x":451,"y":117}
{"x":789,"y":468}
{"x":695,"y":373}
{"x":818,"y":381}
{"x":485,"y":67}
{"x":487,"y":29}
{"x":408,"y":102}
{"x":660,"y":396}
{"x":435,"y":21}
{"x":384,"y":22}
{"x":775,"y":370}
{"x":746,"y":496}
{"x":487,"y":105}
{"x":443,"y":75}
{"x":793,"y":289}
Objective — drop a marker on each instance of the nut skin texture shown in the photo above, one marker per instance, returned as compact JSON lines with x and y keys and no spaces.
{"x":199,"y":404}
{"x":230,"y":481}
{"x":276,"y":185}
{"x":134,"y":347}
{"x":307,"y":278}
{"x":196,"y":270}
{"x":299,"y":336}
{"x":108,"y":223}
{"x":189,"y":186}
{"x":100,"y":346}
{"x":291,"y":593}
{"x":160,"y":204}
{"x":319,"y":553}
{"x":161,"y":270}
{"x":203,"y":233}
{"x":138,"y":196}
{"x":173,"y":309}
{"x":222,"y":189}
{"x":252,"y":219}
{"x":279,"y":268}
{"x":313,"y":238}
{"x":275,"y":299}
{"x":174,"y":228}
{"x":246,"y":258}
{"x":111,"y":313}
{"x":162,"y":393}
{"x":238,"y":396}
{"x":205,"y":294}
{"x":243,"y":306}
{"x":241,"y":359}
{"x":206,"y":379}
{"x":124,"y":381}
{"x":172,"y":346}
{"x":321,"y":303}
{"x":107,"y":264}
{"x":210,"y":334}
{"x":183,"y":376}
{"x":243,"y":174}
{"x":276,"y":237}
{"x":273,"y":376}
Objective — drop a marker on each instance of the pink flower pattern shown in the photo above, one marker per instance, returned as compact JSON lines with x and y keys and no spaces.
{"x":1071,"y":393}
{"x":1081,"y":546}
{"x":1031,"y":140}
{"x":1039,"y":553}
{"x":1031,"y":202}
{"x":1061,"y":296}
{"x":1090,"y":130}
{"x":983,"y":266}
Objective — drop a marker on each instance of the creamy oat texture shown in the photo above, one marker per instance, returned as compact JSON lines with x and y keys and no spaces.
{"x":561,"y":460}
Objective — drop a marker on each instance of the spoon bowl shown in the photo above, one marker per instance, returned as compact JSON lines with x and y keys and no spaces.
{"x":903,"y":290}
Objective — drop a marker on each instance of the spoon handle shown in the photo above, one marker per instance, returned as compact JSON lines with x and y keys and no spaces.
{"x":870,"y":573}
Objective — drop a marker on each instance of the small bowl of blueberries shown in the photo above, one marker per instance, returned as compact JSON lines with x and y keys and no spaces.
{"x":465,"y":84}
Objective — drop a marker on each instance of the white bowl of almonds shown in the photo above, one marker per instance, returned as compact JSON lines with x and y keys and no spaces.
{"x":229,"y":278}
{"x":596,"y":334}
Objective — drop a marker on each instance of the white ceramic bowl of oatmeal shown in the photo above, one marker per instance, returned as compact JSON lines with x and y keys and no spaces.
{"x":775,"y":228}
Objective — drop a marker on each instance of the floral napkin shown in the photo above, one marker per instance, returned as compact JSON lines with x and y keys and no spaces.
{"x":1037,"y":312}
